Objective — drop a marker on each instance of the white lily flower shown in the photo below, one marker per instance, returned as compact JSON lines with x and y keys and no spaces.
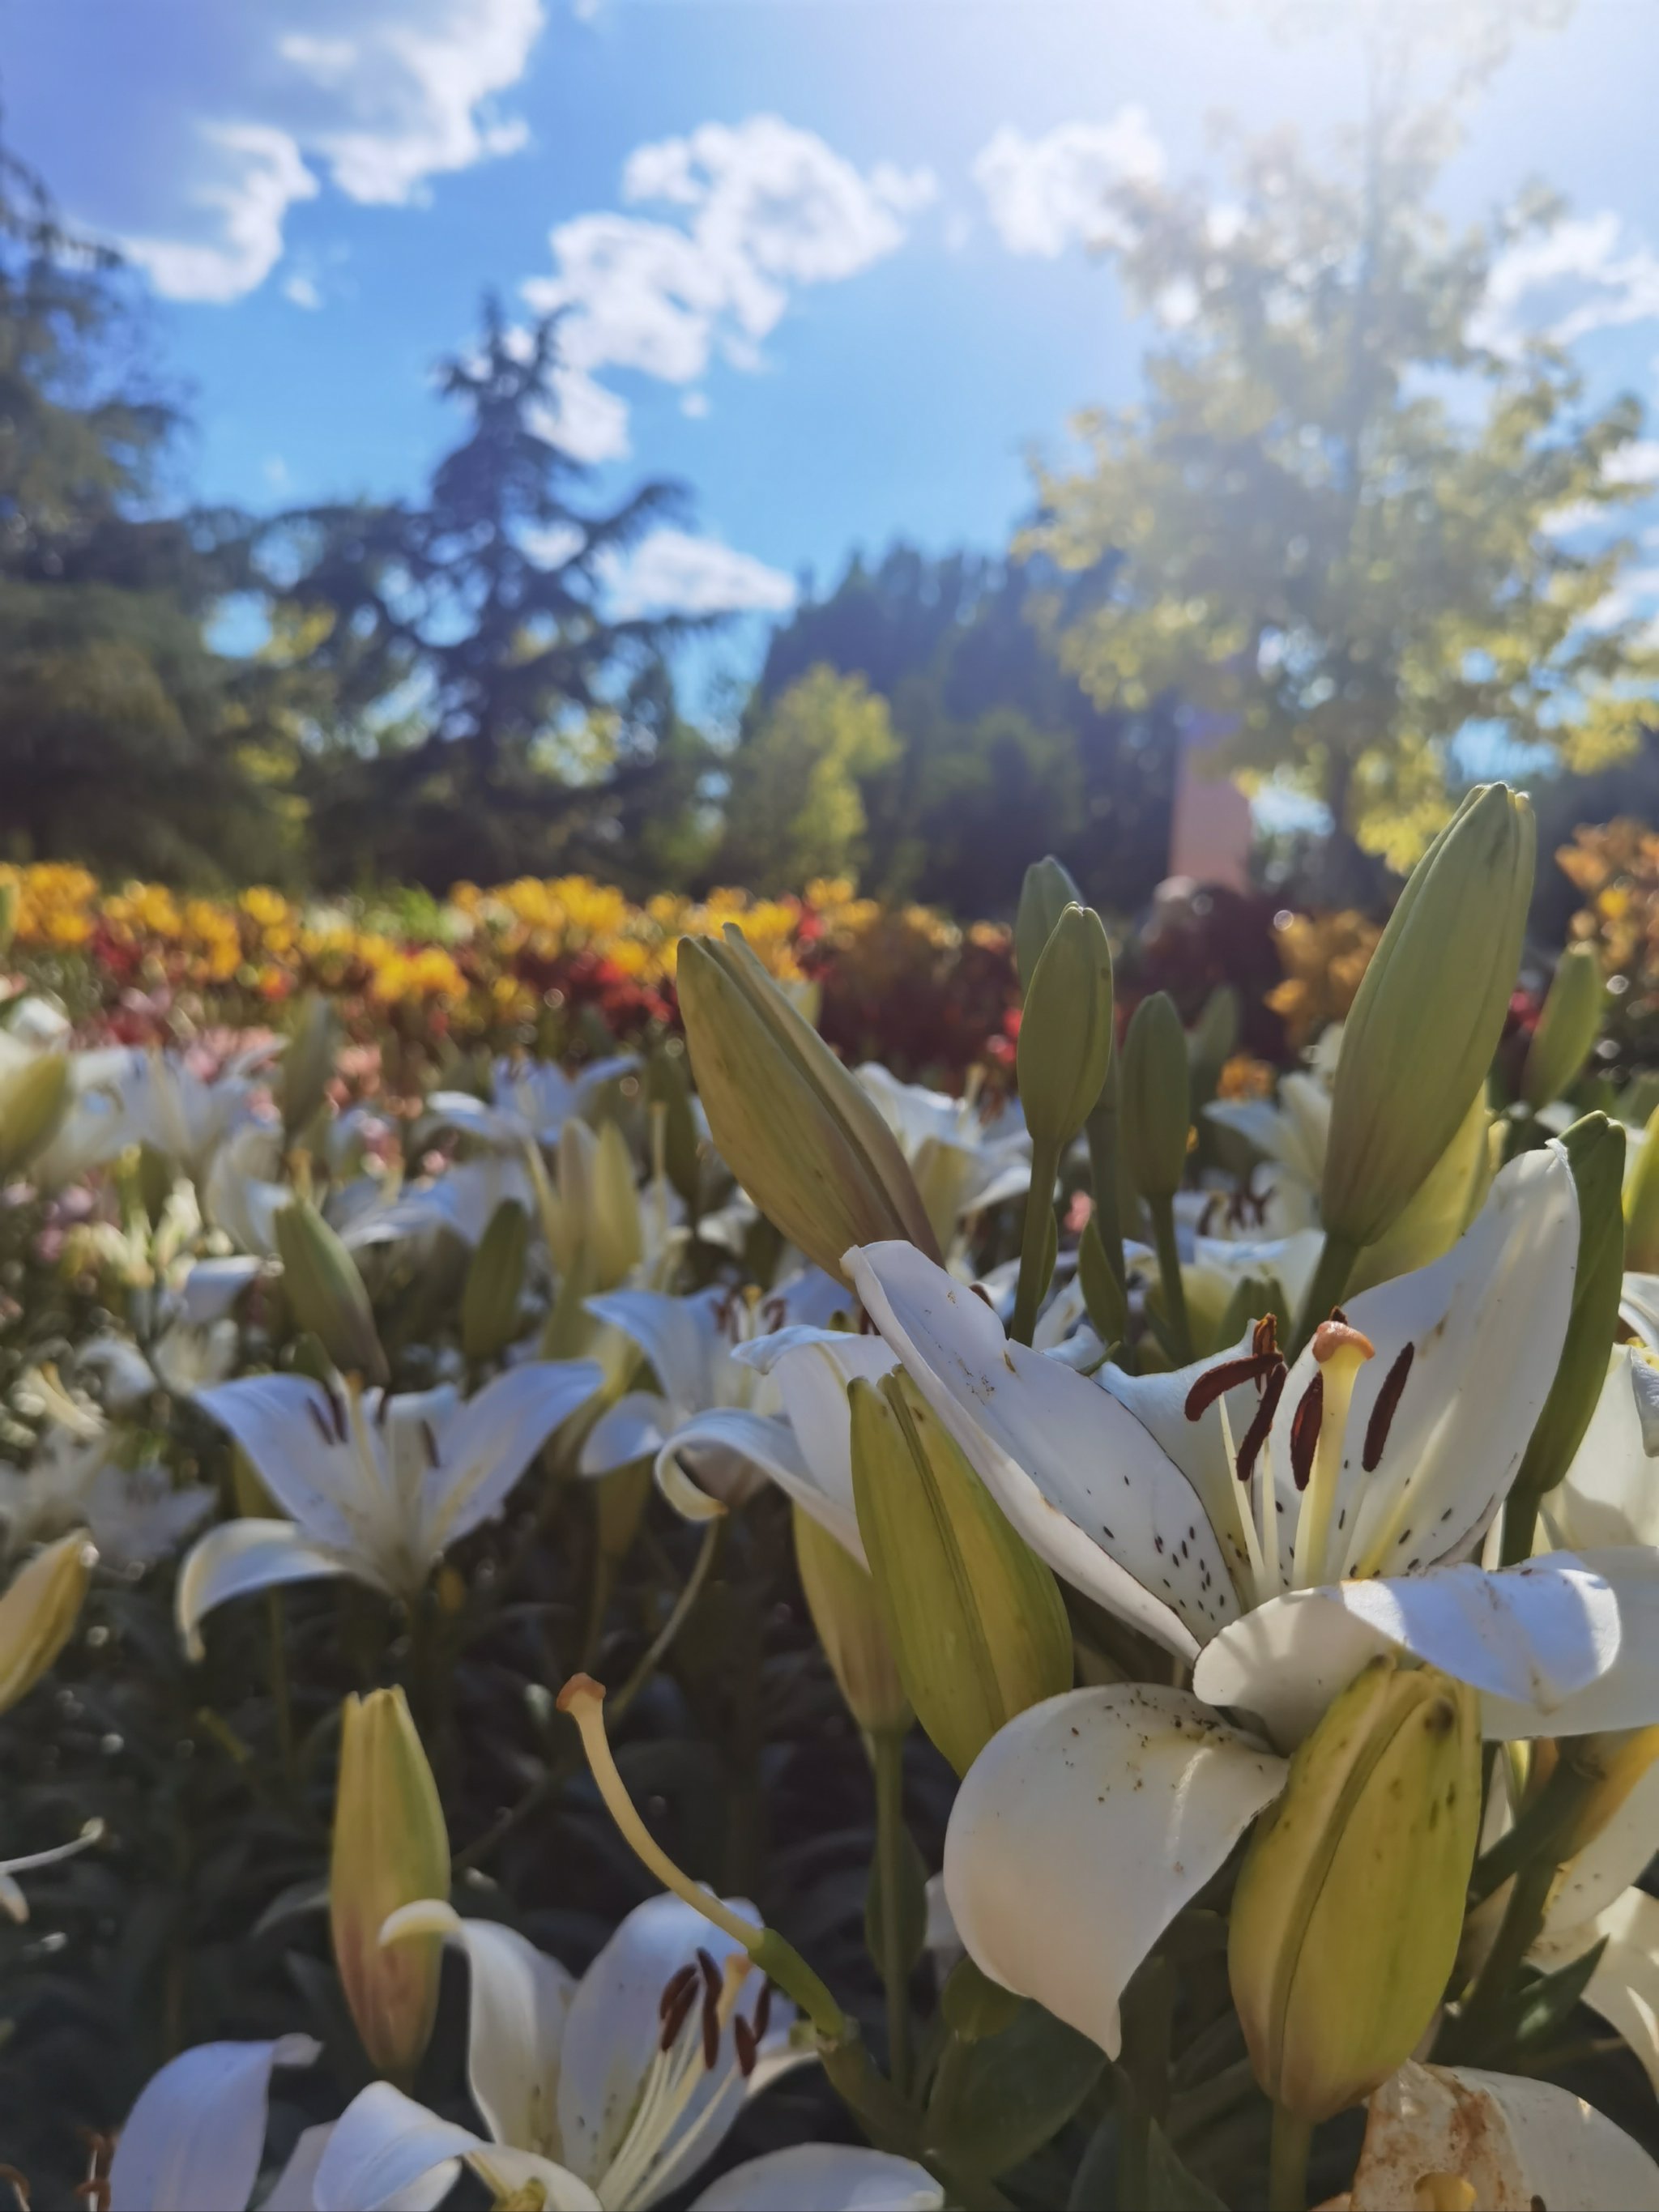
{"x":195,"y":2139}
{"x":184,"y":1358}
{"x":963,"y":1160}
{"x":1291,"y":1131}
{"x":692,"y":1343}
{"x":378,"y":1487}
{"x":533,"y":1100}
{"x":805,"y":1445}
{"x":621,"y":2083}
{"x":135,"y":1515}
{"x":462,"y":1200}
{"x":1513,"y":2144}
{"x":136,"y":1096}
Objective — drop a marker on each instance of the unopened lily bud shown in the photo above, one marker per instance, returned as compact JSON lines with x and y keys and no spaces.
{"x":326,"y":1293}
{"x":1349,"y":1906}
{"x":668,"y":1091}
{"x":1428,"y":1015}
{"x":975,"y":1617}
{"x":1155,"y":1111}
{"x":494,"y":1283}
{"x":1642,"y":1203}
{"x":846,"y":1613}
{"x":8,"y":916}
{"x":1049,"y":889}
{"x":390,"y":1848}
{"x":1065,"y":1030}
{"x":1214,"y":1040}
{"x":40,"y":1610}
{"x":307,"y":1062}
{"x":1566,"y":1028}
{"x":33,"y":1100}
{"x":615,"y":1226}
{"x":800,"y":1135}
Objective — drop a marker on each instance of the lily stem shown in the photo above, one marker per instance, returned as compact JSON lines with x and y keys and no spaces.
{"x":1035,"y":1243}
{"x":1101,"y":1129}
{"x":887,"y":1758}
{"x":1168,"y":1274}
{"x":1479,"y":2026}
{"x":1330,"y":1278}
{"x":1287,"y":2161}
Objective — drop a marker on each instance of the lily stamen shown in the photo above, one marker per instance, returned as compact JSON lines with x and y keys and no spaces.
{"x":1382,"y":1413}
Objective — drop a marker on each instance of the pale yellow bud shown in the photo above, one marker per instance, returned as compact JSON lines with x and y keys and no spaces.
{"x":390,"y":1848}
{"x":846,"y":1613}
{"x":1567,"y":1026}
{"x":39,"y":1612}
{"x":33,"y":1100}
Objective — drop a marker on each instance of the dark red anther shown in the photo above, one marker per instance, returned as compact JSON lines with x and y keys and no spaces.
{"x":1382,"y":1413}
{"x":762,"y":2011}
{"x":743,"y":2036}
{"x":1227,"y":1374}
{"x":323,"y":1428}
{"x":1304,"y":1430}
{"x":677,"y":1985}
{"x":711,"y":1975}
{"x":1256,"y":1435}
{"x":429,"y":1439}
{"x":675,"y":2018}
{"x":711,"y":2030}
{"x":337,"y":1407}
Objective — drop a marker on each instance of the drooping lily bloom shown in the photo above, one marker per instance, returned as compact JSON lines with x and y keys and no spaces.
{"x":692,"y":1344}
{"x":1278,"y":1526}
{"x":378,"y":1487}
{"x":531,"y":1101}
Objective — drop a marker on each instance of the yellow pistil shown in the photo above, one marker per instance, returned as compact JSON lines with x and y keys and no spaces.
{"x":1340,"y":1351}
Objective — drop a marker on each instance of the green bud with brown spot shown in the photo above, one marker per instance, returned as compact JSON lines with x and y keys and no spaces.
{"x":1349,"y":1906}
{"x":801,"y":1136}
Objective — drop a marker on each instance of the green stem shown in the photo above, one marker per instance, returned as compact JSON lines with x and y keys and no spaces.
{"x":1330,"y":1278}
{"x":1101,"y":1129}
{"x":1035,"y":1238}
{"x":1288,"y":2162}
{"x":887,"y":1756}
{"x":1537,"y":1832}
{"x":1169,"y":1272}
{"x":598,"y":1596}
{"x":1478,"y":2028}
{"x":1520,"y":1526}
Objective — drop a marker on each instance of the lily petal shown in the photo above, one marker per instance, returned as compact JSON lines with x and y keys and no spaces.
{"x":290,"y":1428}
{"x":1076,"y":1472}
{"x":612,"y":2043}
{"x":733,"y":1452}
{"x":824,"y":2177}
{"x":634,"y":1427}
{"x":1611,"y":1861}
{"x":813,"y":1380}
{"x":493,"y":1438}
{"x":294,"y":2189}
{"x":1625,"y":1986}
{"x":1081,"y":1829}
{"x":681,"y":1338}
{"x":239,"y":1556}
{"x":1610,"y":1494}
{"x":194,"y":2139}
{"x":385,"y":2151}
{"x":1563,"y":1644}
{"x":1517,"y":2143}
{"x":515,"y":2021}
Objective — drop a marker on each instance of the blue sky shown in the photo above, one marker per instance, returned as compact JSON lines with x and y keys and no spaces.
{"x":827,"y":263}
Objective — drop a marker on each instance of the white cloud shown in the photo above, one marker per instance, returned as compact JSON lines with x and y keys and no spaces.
{"x":377,"y":96}
{"x":1045,"y":194}
{"x":763,"y":208}
{"x":1580,"y":275}
{"x":303,"y":290}
{"x":671,"y":571}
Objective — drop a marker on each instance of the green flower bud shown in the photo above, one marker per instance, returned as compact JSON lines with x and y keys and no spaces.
{"x":975,"y":1617}
{"x":1447,"y":1201}
{"x":308,"y":1061}
{"x":800,"y":1135}
{"x":1154,"y":1113}
{"x":847,"y":1615}
{"x":1349,"y":1906}
{"x":33,"y":1100}
{"x":1048,"y":890}
{"x":1642,"y":1203}
{"x":1065,"y":1030}
{"x":1566,"y":1028}
{"x":617,"y":1233}
{"x":494,"y":1283}
{"x":326,"y":1293}
{"x":1420,"y":1039}
{"x":40,"y":1610}
{"x":390,"y":1848}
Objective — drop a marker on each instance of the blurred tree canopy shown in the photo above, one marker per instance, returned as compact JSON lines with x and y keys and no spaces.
{"x":478,"y":712}
{"x":996,"y":751}
{"x":1335,"y":521}
{"x":126,"y":738}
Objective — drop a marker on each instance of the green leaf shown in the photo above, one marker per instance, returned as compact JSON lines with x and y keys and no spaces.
{"x":1547,"y":2001}
{"x":1007,"y":2095}
{"x":1171,"y":2187}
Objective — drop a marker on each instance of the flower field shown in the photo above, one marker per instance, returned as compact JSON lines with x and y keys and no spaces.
{"x":779,"y":1554}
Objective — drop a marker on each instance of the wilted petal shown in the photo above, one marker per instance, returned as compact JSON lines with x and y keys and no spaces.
{"x":516,"y":2015}
{"x":194,"y":2139}
{"x":1563,"y":1644}
{"x":630,"y":2150}
{"x":1079,"y":1476}
{"x":240,"y":1556}
{"x":1517,"y":2143}
{"x":1081,"y":1829}
{"x":824,"y":2177}
{"x":492,"y":1438}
